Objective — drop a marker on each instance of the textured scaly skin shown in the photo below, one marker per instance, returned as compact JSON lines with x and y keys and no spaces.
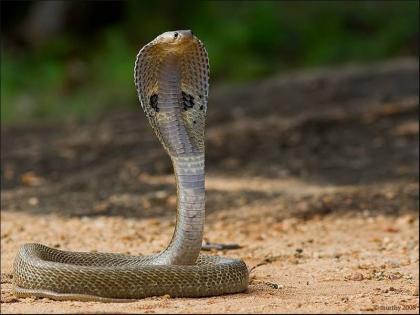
{"x":171,"y":77}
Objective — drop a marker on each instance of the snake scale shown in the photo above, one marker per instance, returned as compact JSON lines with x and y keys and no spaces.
{"x":171,"y":76}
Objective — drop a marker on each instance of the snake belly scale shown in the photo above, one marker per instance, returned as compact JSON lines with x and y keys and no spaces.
{"x":171,"y":76}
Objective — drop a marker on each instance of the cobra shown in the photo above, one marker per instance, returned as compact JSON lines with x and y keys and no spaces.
{"x":171,"y":76}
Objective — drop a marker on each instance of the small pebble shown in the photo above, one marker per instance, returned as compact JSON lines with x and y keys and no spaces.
{"x":33,"y":201}
{"x":316,"y":255}
{"x":356,"y":276}
{"x":392,"y":263}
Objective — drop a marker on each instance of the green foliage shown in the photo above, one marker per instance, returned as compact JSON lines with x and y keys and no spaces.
{"x":74,"y":76}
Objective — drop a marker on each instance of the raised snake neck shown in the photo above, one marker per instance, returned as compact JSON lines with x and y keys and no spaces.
{"x":171,"y":77}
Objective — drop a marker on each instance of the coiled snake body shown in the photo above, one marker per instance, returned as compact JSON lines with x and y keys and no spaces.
{"x":171,"y":77}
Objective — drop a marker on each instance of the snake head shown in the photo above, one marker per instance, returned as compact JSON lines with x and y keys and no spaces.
{"x":175,"y":41}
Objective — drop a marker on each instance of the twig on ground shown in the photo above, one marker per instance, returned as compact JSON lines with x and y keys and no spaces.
{"x":209,"y":246}
{"x":265,"y":261}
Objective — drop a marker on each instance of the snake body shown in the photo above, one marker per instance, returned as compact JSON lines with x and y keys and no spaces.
{"x":171,"y":76}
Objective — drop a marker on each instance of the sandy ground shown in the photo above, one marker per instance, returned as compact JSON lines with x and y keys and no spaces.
{"x":314,"y":174}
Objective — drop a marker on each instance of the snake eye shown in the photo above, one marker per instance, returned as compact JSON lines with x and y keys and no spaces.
{"x":175,"y":34}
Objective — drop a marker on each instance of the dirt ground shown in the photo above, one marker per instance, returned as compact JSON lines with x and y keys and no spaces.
{"x":314,"y":174}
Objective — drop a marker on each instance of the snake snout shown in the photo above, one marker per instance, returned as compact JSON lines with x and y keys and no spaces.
{"x":186,"y":33}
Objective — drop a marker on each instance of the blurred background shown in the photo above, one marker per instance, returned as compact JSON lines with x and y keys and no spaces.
{"x":71,"y":59}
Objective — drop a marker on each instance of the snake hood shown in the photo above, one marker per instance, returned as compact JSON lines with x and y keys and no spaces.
{"x":171,"y":75}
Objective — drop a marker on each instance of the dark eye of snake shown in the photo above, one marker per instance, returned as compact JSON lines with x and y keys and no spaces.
{"x":175,"y":35}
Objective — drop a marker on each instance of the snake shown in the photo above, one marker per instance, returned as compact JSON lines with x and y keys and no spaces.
{"x":171,"y":75}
